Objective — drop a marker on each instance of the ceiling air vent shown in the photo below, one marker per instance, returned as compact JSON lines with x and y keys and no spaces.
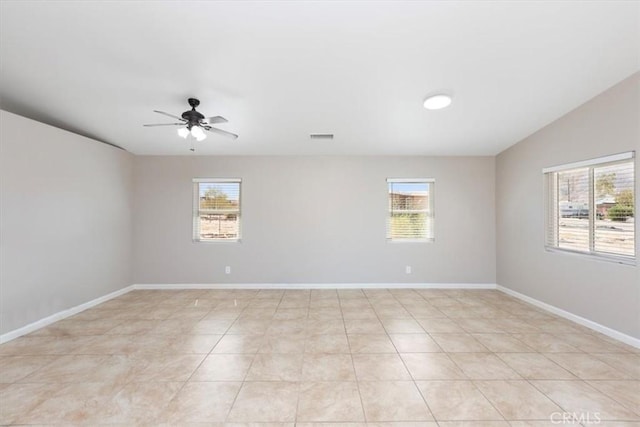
{"x":321,"y":136}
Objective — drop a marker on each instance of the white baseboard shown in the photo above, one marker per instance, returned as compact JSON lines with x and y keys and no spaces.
{"x":38,"y":324}
{"x":627,"y":339}
{"x":179,"y":286}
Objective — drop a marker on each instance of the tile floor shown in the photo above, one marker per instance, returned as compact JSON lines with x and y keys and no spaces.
{"x":399,"y":357}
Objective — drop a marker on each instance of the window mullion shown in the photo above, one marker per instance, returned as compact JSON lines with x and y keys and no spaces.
{"x":592,"y":211}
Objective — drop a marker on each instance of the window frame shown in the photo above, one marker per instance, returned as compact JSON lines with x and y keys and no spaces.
{"x":430,"y":211}
{"x":551,"y":206}
{"x":196,"y":211}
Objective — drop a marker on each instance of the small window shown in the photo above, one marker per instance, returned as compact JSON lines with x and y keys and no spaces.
{"x":410,"y":216}
{"x":591,"y":207}
{"x":216,"y":210}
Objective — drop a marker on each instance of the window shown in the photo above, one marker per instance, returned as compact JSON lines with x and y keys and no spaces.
{"x":216,"y":210}
{"x":590,"y":207}
{"x":410,"y":215}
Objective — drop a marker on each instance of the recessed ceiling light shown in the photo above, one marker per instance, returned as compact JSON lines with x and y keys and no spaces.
{"x":437,"y":102}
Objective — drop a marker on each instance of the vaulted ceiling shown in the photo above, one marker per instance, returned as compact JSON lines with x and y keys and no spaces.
{"x":279,"y":71}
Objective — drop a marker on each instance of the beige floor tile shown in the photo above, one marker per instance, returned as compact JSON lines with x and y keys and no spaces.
{"x":376,"y":367}
{"x":14,"y":368}
{"x":458,"y":343}
{"x":402,"y":326}
{"x":535,"y":366}
{"x":69,"y":327}
{"x":202,"y":402}
{"x":286,"y":343}
{"x":502,"y":343}
{"x":66,"y":369}
{"x":248,"y":327}
{"x":325,"y":327}
{"x":223,"y":367}
{"x":248,"y":344}
{"x":414,"y":343}
{"x":19,"y":399}
{"x":480,"y":326}
{"x":484,"y":366}
{"x":590,"y":343}
{"x":518,"y":400}
{"x":371,"y":343}
{"x":327,"y":367}
{"x":276,"y":367}
{"x":286,"y":327}
{"x":265,"y":402}
{"x":122,"y":344}
{"x":475,"y":423}
{"x":627,"y":363}
{"x":358,"y":313}
{"x":556,"y":420}
{"x":587,"y":367}
{"x":626,"y":393}
{"x":214,"y":326}
{"x":134,"y":327}
{"x":580,"y":398}
{"x":41,"y":346}
{"x":174,"y":327}
{"x":440,"y":325}
{"x":192,"y":344}
{"x":432,"y":366}
{"x":325,"y":313}
{"x":457,"y":400}
{"x":329,"y":401}
{"x":118,"y":369}
{"x":334,"y":343}
{"x":363,"y":326}
{"x":546,"y":343}
{"x":393,"y":401}
{"x":291,"y":313}
{"x":138,"y":403}
{"x":167,"y":367}
{"x":72,"y":403}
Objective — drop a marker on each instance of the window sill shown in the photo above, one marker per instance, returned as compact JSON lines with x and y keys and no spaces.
{"x":218,"y":241}
{"x":410,"y":240}
{"x":595,"y":256}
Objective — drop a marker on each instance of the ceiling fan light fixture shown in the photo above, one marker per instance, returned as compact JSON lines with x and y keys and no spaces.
{"x":183,"y":132}
{"x":197,"y":133}
{"x":437,"y":102}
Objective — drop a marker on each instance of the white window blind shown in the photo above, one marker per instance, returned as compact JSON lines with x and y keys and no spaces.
{"x":410,"y":216}
{"x":590,"y":207}
{"x":216,"y":209}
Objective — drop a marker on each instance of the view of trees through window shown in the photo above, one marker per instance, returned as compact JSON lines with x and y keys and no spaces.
{"x":410,"y":210}
{"x":218,"y":210}
{"x":608,"y":189}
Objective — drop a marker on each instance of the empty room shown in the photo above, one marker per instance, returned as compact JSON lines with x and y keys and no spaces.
{"x":319,"y":213}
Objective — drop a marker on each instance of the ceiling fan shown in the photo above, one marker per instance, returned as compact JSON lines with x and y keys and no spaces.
{"x":194,"y":122}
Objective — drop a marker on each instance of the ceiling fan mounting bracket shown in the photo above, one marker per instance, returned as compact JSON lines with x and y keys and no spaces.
{"x":193,"y":102}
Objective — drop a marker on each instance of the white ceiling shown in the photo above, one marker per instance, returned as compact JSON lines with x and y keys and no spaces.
{"x":282,"y":70}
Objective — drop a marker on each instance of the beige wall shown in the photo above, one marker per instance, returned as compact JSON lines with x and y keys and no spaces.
{"x":314,"y":220}
{"x":65,"y":220}
{"x":604,"y":292}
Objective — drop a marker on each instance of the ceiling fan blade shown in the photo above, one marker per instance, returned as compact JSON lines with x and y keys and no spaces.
{"x":170,"y":115}
{"x":165,"y":124}
{"x":216,"y":119}
{"x":221,"y":132}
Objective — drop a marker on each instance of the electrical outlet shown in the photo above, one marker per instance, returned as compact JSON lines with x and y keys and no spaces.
{"x":227,"y":269}
{"x":407,"y":269}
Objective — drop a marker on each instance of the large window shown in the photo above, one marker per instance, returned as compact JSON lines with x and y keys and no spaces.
{"x":216,"y":210}
{"x":591,"y":207}
{"x":410,"y":216}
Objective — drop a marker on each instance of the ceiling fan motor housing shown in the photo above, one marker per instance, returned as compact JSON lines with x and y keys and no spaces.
{"x":192,"y":116}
